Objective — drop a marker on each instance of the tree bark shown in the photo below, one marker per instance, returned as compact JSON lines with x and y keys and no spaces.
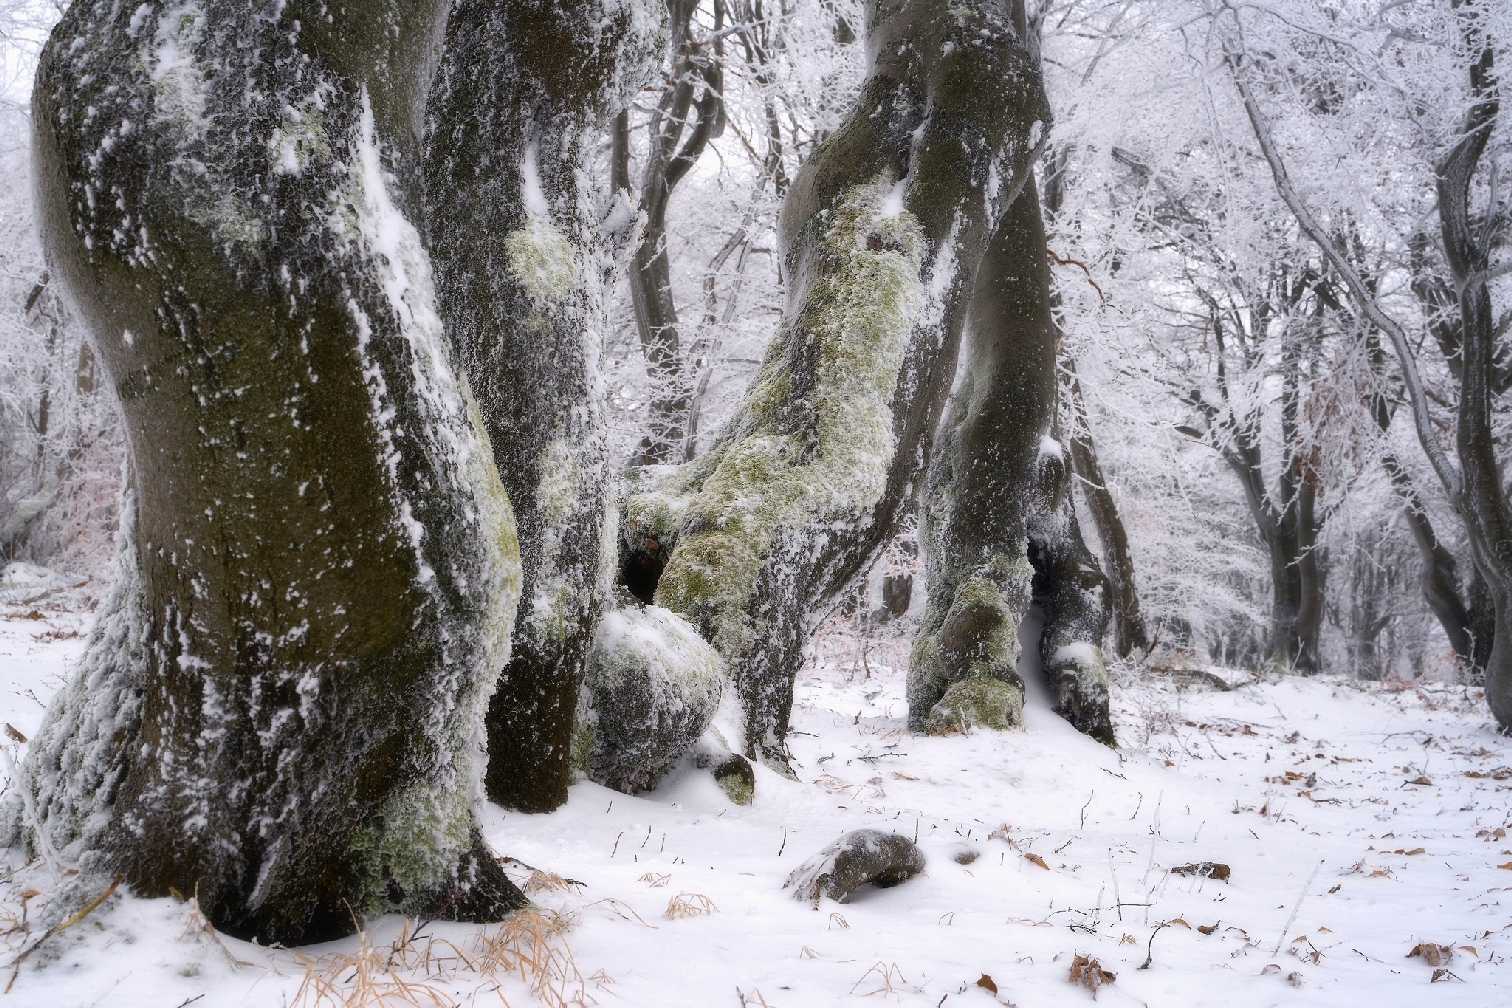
{"x":280,"y":706}
{"x":997,"y":518}
{"x":1129,"y":631}
{"x":883,"y":231}
{"x":522,"y":89}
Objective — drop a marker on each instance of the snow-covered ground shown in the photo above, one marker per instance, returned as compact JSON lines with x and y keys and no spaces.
{"x":1356,"y":825}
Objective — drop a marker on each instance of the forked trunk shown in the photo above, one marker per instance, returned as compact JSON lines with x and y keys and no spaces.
{"x":883,"y":230}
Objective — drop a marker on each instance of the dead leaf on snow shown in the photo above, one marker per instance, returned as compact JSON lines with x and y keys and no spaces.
{"x":987,"y":984}
{"x":1499,"y":774}
{"x":1204,"y":869}
{"x":1034,"y":858}
{"x":1089,"y":973}
{"x":1433,"y":955}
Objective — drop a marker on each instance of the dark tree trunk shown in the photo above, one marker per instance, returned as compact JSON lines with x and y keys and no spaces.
{"x":1129,"y":631}
{"x":522,"y":89}
{"x":883,"y":231}
{"x":1439,"y":577}
{"x":997,"y":515}
{"x":1073,"y":593}
{"x":1285,"y":516}
{"x":1483,"y":497}
{"x":280,"y":706}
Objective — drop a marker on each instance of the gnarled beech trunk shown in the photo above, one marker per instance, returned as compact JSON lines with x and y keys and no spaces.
{"x":998,"y":525}
{"x":280,"y":706}
{"x":883,"y":231}
{"x":523,"y":88}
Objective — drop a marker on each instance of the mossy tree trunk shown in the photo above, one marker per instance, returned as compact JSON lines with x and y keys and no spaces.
{"x":999,"y":531}
{"x":281,"y":705}
{"x":883,"y":231}
{"x":523,"y":88}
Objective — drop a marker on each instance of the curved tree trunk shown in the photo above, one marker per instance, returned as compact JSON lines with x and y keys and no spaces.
{"x":883,"y":230}
{"x":280,"y":707}
{"x":997,"y":517}
{"x":1129,"y":631}
{"x":521,"y":91}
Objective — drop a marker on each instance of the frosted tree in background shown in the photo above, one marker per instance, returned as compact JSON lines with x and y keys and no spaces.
{"x":1471,"y":224}
{"x":279,"y":711}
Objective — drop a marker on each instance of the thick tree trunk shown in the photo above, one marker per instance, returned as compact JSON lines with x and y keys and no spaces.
{"x":522,"y":89}
{"x":997,"y":514}
{"x":883,"y":230}
{"x":280,"y":708}
{"x":1073,"y":593}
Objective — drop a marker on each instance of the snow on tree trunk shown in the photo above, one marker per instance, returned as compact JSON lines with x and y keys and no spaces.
{"x":281,"y":705}
{"x":997,"y":497}
{"x":882,"y":232}
{"x":522,"y":273}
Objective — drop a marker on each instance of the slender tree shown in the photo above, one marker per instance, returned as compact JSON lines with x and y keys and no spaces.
{"x":688,"y":115}
{"x":280,"y":708}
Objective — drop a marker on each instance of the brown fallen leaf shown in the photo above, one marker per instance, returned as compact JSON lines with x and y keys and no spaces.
{"x":1433,"y":955}
{"x":1175,"y":921}
{"x":1409,"y":853}
{"x":987,"y":983}
{"x":1034,"y":858}
{"x":1507,"y":866}
{"x":14,"y":734}
{"x":1422,"y":780}
{"x":1089,"y":973}
{"x":1499,"y":774}
{"x":1204,"y":869}
{"x":1208,"y":929}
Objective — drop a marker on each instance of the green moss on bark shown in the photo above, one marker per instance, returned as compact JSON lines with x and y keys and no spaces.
{"x":774,"y":475}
